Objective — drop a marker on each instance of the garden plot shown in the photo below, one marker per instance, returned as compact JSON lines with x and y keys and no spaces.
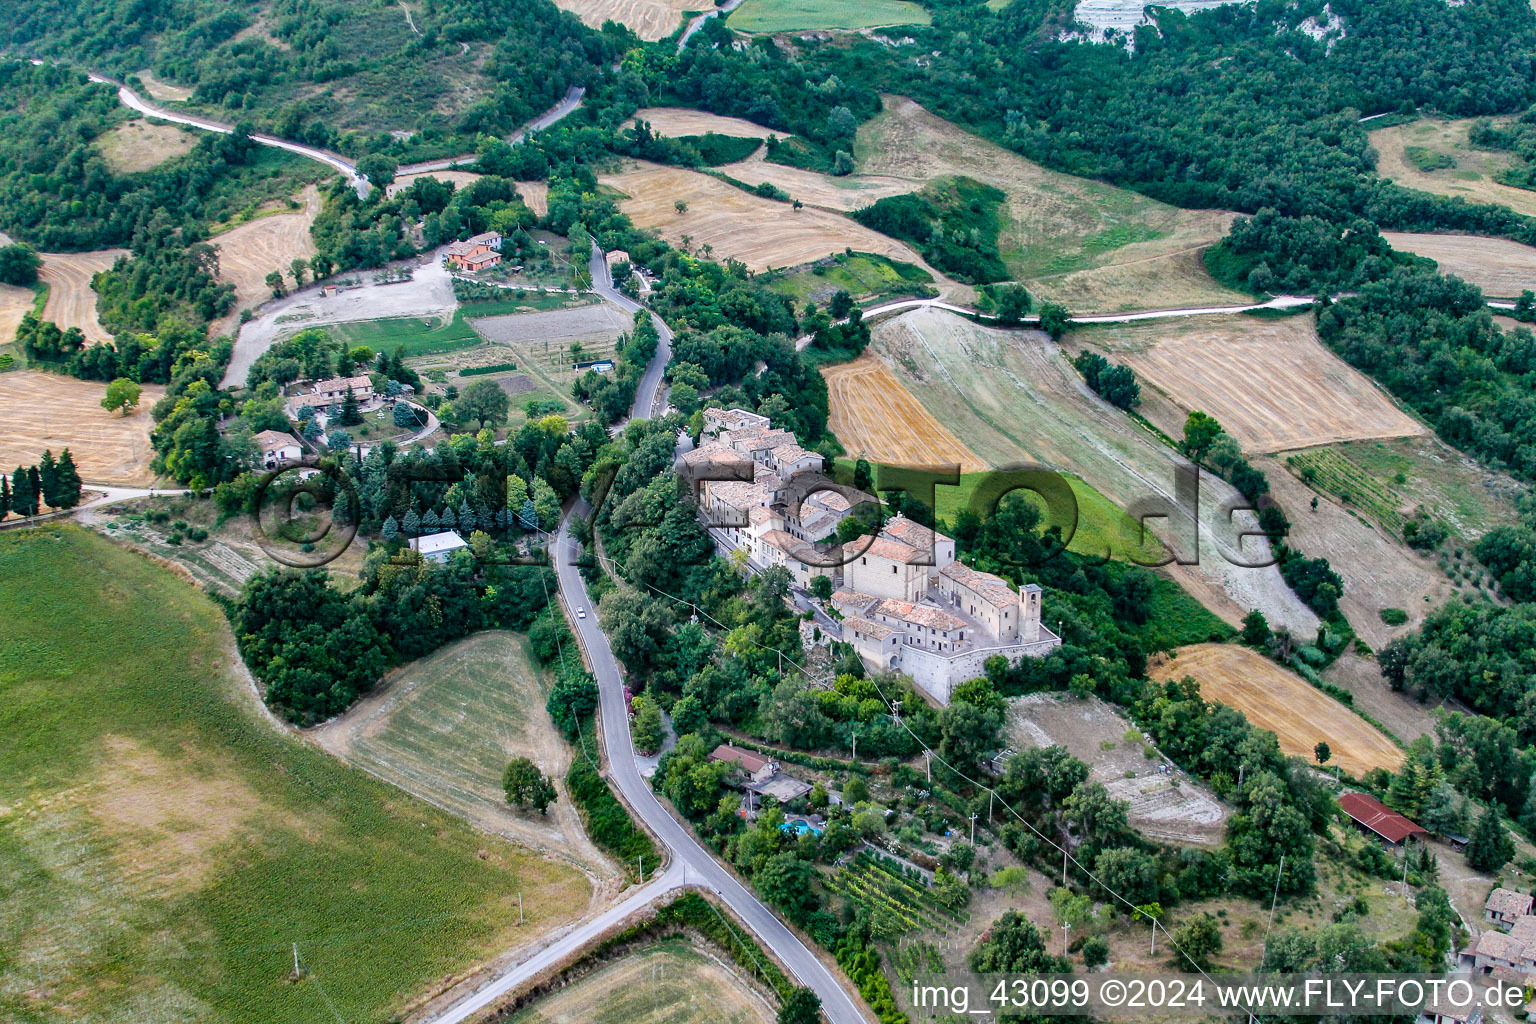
{"x":1168,"y":806}
{"x":1269,"y":382}
{"x":543,"y":341}
{"x":71,"y":300}
{"x":1014,"y":397}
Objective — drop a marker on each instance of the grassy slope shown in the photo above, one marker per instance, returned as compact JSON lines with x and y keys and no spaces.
{"x":161,"y":846}
{"x":808,"y":15}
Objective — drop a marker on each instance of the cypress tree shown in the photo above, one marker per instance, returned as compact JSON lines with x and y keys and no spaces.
{"x":5,"y":496}
{"x":69,"y":481}
{"x":48,"y":480}
{"x":23,"y":496}
{"x":37,"y":488}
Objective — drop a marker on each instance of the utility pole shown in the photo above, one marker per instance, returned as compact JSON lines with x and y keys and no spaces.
{"x":1273,"y":900}
{"x":1405,"y":870}
{"x":1063,"y":867}
{"x":641,"y":858}
{"x":990,"y":794}
{"x":855,"y":747}
{"x":973,"y":830}
{"x":297,"y":973}
{"x":928,"y":760}
{"x":1066,"y":930}
{"x":519,"y":909}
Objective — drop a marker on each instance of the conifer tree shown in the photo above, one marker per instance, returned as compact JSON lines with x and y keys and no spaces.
{"x":411,"y":524}
{"x":48,"y":479}
{"x":23,"y":494}
{"x":5,"y":496}
{"x":391,"y":529}
{"x":69,"y":484}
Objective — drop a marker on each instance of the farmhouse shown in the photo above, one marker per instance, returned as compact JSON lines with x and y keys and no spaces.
{"x":332,"y":392}
{"x":907,"y":604}
{"x":438,"y":547}
{"x":760,"y":776}
{"x":755,"y":766}
{"x":476,"y":253}
{"x":277,"y":448}
{"x":1509,"y":956}
{"x":1505,"y":906}
{"x":1374,"y":818}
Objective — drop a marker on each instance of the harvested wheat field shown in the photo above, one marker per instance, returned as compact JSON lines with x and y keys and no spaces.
{"x":876,"y":418}
{"x":15,"y":303}
{"x":737,"y":225}
{"x":679,"y":121}
{"x":140,"y":145}
{"x":1501,"y":268}
{"x":674,"y":981}
{"x":248,"y":253}
{"x":1471,"y":177}
{"x":1269,"y":382}
{"x":650,"y":19}
{"x":535,"y":196}
{"x":49,"y":411}
{"x":1014,"y":397}
{"x":1284,"y":703}
{"x":71,"y":302}
{"x":1091,"y":246}
{"x":838,"y":194}
{"x":458,"y":179}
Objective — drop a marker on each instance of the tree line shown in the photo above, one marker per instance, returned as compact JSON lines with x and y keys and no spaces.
{"x":50,"y":483}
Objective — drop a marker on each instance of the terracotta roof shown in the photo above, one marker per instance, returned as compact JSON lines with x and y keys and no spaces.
{"x":793,"y":546}
{"x":751,"y":761}
{"x":912,"y":534}
{"x":1379,"y":818}
{"x":885,"y":547}
{"x":716,"y":452}
{"x":485,"y":238}
{"x":343,"y":383}
{"x":271,"y":439}
{"x":1504,"y":947}
{"x":1524,"y":928}
{"x":1508,"y":902}
{"x":743,"y":495}
{"x":919,"y":614}
{"x":851,"y":599}
{"x":793,"y":453}
{"x":993,"y":589}
{"x":870,"y":629}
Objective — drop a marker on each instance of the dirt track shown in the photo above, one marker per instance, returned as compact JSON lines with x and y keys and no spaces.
{"x":71,"y":302}
{"x":1275,"y":699}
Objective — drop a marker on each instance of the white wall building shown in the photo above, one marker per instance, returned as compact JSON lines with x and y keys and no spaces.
{"x":438,"y":547}
{"x":907,"y":604}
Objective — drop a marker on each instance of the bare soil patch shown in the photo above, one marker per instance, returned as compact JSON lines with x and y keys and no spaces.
{"x":1471,"y":178}
{"x":248,"y":253}
{"x":1170,"y":806}
{"x":71,"y":302}
{"x":41,"y":411}
{"x":1501,"y":268}
{"x":1270,"y":382}
{"x":161,"y":90}
{"x":1089,"y":245}
{"x":535,"y":196}
{"x":1014,"y":397}
{"x":734,"y":224}
{"x":650,"y":19}
{"x":1273,"y":698}
{"x":141,"y":145}
{"x":875,"y":417}
{"x":458,"y":179}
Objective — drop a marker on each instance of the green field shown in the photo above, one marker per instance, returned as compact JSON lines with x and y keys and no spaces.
{"x":860,"y":275}
{"x":162,"y":844}
{"x":420,"y":335}
{"x":1101,"y":525}
{"x":766,"y":16}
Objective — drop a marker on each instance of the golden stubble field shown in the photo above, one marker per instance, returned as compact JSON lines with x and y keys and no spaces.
{"x":680,"y":121}
{"x":876,"y":418}
{"x":41,"y":411}
{"x":759,"y":232}
{"x":650,"y":19}
{"x":15,"y":303}
{"x":1501,"y":268}
{"x":71,"y":302}
{"x":251,"y":251}
{"x":1284,"y":703}
{"x":1472,"y":177}
{"x":1270,"y":382}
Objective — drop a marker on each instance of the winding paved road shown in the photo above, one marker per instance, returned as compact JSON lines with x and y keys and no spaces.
{"x":649,"y":389}
{"x":698,"y":22}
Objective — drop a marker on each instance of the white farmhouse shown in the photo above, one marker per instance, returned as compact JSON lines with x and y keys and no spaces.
{"x":438,"y":547}
{"x":278,"y":448}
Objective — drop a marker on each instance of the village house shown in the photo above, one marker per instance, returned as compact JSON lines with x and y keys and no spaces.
{"x":278,"y":448}
{"x":438,"y":547}
{"x":760,"y":776}
{"x":329,"y":394}
{"x":1505,"y":906}
{"x":907,"y":604}
{"x":475,"y":253}
{"x":1376,"y":820}
{"x":1505,"y":956}
{"x":755,"y":766}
